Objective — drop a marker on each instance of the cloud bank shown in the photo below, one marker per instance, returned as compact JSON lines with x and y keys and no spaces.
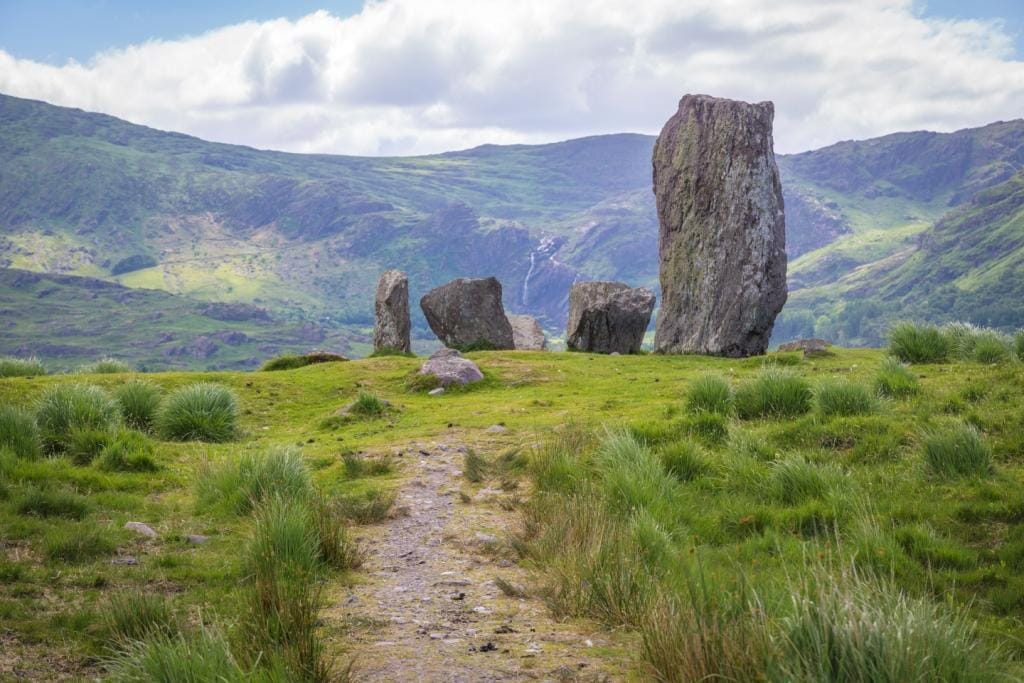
{"x":420,"y":76}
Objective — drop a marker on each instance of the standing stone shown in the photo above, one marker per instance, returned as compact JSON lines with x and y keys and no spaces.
{"x":391,"y":305}
{"x":608,"y":317}
{"x":527,"y":333}
{"x":722,"y":235}
{"x":468,"y":314}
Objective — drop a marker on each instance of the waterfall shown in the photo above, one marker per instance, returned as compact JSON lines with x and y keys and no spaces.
{"x":526,"y":282}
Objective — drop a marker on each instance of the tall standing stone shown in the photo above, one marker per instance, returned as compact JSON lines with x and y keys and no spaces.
{"x":722,"y":234}
{"x":467,"y":313}
{"x":608,"y":317}
{"x":391,"y":307}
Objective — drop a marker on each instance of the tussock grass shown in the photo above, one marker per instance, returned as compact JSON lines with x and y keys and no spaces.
{"x":845,"y":398}
{"x":957,"y":451}
{"x":19,"y":433}
{"x":918,"y":343}
{"x":105,"y":366}
{"x":474,"y":467}
{"x":240,"y":485}
{"x":711,"y":394}
{"x":683,"y":460}
{"x":367,"y":405}
{"x":773,"y":394}
{"x":896,"y":380}
{"x":85,"y":445}
{"x":136,"y":615}
{"x":65,"y":409}
{"x":139,"y":402}
{"x":291,"y":361}
{"x":39,"y":502}
{"x":191,"y":658}
{"x":357,"y":467}
{"x":199,"y":412}
{"x":369,"y":507}
{"x":11,"y":366}
{"x":337,"y":548}
{"x":795,"y":480}
{"x":82,"y":542}
{"x":127,"y":451}
{"x":992,"y":348}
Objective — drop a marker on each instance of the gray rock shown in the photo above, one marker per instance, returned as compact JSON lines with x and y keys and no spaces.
{"x":812,"y":348}
{"x":722,"y":234}
{"x":608,"y":317}
{"x":141,"y":529}
{"x":527,"y":334}
{"x":496,"y":429}
{"x":449,"y":367}
{"x":197,"y":539}
{"x":125,"y":560}
{"x":436,"y":392}
{"x":391,"y":306}
{"x":468,"y":313}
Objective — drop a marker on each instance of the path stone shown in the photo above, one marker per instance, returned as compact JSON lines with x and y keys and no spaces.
{"x":722,"y":234}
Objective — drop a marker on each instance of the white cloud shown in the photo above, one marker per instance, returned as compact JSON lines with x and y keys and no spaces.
{"x":416,"y":76}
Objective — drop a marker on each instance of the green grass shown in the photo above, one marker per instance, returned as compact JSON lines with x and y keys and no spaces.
{"x":19,"y":433}
{"x":367,"y":405}
{"x":200,"y":412}
{"x":162,"y":658}
{"x":139,"y":401}
{"x":710,"y":394}
{"x":21,"y":367}
{"x":127,"y":451}
{"x":918,"y":343}
{"x":39,"y":502}
{"x":105,"y":366}
{"x":76,"y":544}
{"x":895,"y":380}
{"x":135,"y":616}
{"x":774,"y":393}
{"x":957,"y":451}
{"x":85,"y":445}
{"x":292,"y":361}
{"x":844,"y":398}
{"x":683,"y":460}
{"x":240,"y":484}
{"x":67,"y":412}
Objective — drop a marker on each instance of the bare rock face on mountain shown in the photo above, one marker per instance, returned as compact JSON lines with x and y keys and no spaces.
{"x":527,"y":333}
{"x":391,"y":305}
{"x":722,"y":235}
{"x":468,"y":314}
{"x":449,"y":367}
{"x":608,"y":317}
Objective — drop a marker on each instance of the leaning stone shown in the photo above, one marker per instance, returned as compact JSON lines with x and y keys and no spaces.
{"x":722,"y":231}
{"x":449,"y":367}
{"x":608,"y":317}
{"x":527,"y":333}
{"x":141,"y":529}
{"x":391,"y":307}
{"x":467,"y":313}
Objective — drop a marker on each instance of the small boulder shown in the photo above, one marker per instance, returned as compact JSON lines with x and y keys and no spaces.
{"x":467,"y":313}
{"x":527,"y":334}
{"x":812,"y":348}
{"x":141,"y":529}
{"x":449,"y":367}
{"x":608,"y":317}
{"x":391,"y":307}
{"x":197,"y":539}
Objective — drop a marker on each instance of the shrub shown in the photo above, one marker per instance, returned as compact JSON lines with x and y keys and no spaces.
{"x":895,"y":380}
{"x":18,"y":432}
{"x":105,"y":366}
{"x":162,"y":658}
{"x":991,"y":347}
{"x":20,"y":367}
{"x":240,"y":485}
{"x":128,"y":451}
{"x":199,"y":412}
{"x":68,"y":408}
{"x":683,"y":460}
{"x":135,"y":615}
{"x":76,"y":544}
{"x":845,"y":398}
{"x":47,"y":503}
{"x":85,"y":445}
{"x":710,"y":394}
{"x":852,"y":629}
{"x":774,"y":393}
{"x":290,"y":362}
{"x":957,"y":451}
{"x":139,"y":402}
{"x":913,"y":343}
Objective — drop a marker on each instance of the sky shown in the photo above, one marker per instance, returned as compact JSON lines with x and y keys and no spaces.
{"x":421,"y":76}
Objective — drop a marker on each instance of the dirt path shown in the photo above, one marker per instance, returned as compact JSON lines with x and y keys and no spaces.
{"x":430,"y":609}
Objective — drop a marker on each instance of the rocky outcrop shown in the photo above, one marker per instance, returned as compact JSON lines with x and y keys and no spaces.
{"x":527,"y":333}
{"x":812,"y":348}
{"x":449,"y":367}
{"x":391,"y":306}
{"x":468,"y":314}
{"x":722,"y":241}
{"x":608,"y":317}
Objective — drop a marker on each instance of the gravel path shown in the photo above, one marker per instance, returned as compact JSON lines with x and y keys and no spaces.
{"x":430,"y":609}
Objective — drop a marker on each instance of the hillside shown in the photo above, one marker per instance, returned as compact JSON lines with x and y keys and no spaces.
{"x":305,"y":236}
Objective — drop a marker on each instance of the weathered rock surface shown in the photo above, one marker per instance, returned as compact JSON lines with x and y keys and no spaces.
{"x":608,"y":317}
{"x":141,"y":529}
{"x":812,"y":348}
{"x":722,"y":240}
{"x":468,"y":313}
{"x":391,"y":306}
{"x":527,"y":334}
{"x":449,"y":367}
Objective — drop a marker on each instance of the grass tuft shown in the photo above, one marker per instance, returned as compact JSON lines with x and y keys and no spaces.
{"x":918,"y":343}
{"x":19,"y":433}
{"x":291,"y":362}
{"x":139,"y":402}
{"x":370,"y":507}
{"x":105,"y":366}
{"x":240,"y":485}
{"x":683,"y":460}
{"x":474,"y":467}
{"x":895,"y":379}
{"x":844,"y":398}
{"x":38,"y":502}
{"x":711,"y":394}
{"x":368,"y":406}
{"x":135,"y":615}
{"x":162,"y":658}
{"x":77,"y":544}
{"x":773,"y":394}
{"x":128,"y":451}
{"x":199,"y":412}
{"x":85,"y":445}
{"x":21,"y":367}
{"x":957,"y":451}
{"x":65,"y":409}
